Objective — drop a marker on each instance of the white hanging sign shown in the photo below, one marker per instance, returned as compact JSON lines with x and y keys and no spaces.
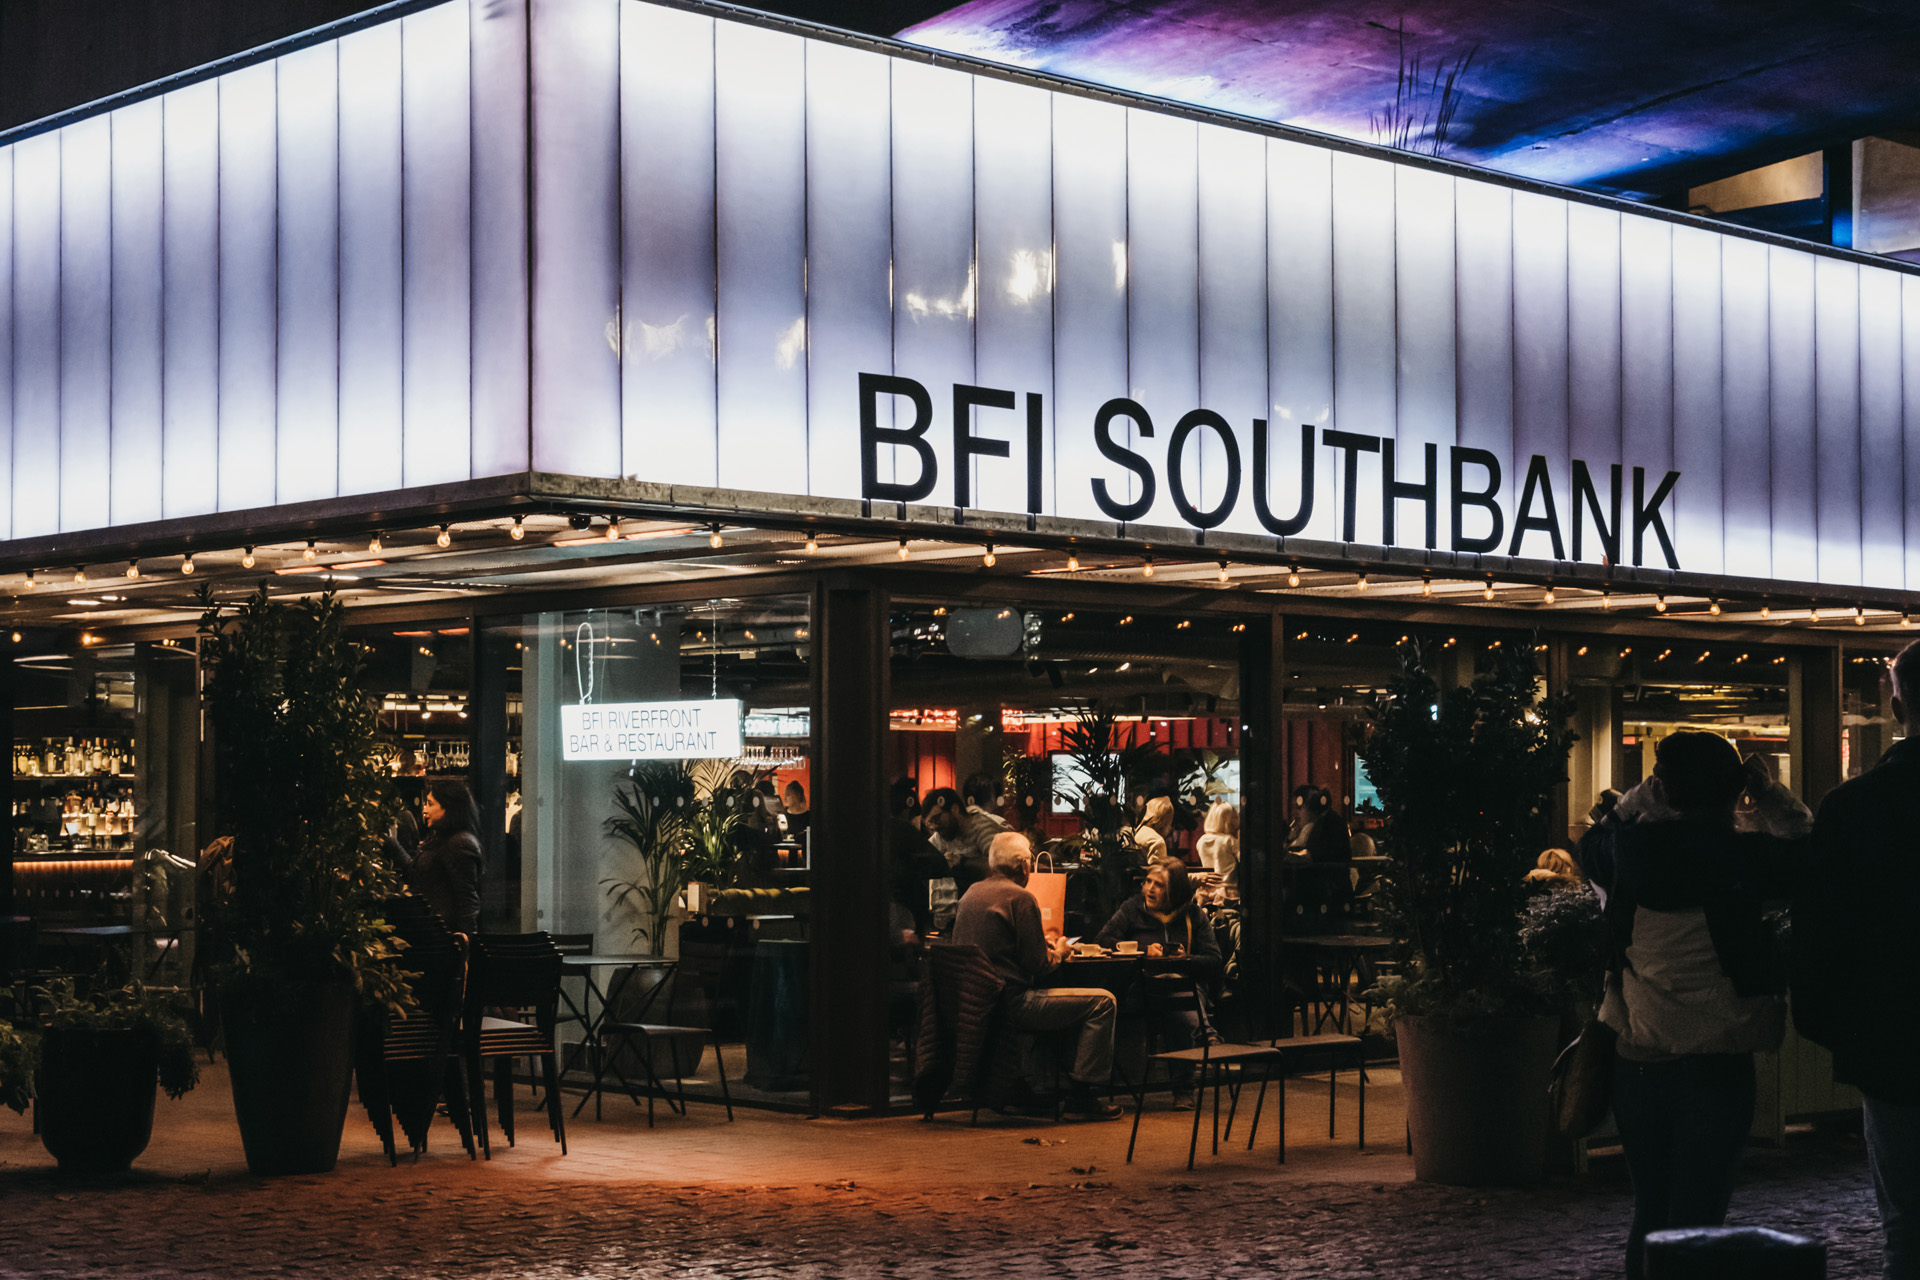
{"x":651,"y":730}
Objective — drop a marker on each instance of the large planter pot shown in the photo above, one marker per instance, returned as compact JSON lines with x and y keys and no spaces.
{"x":94,"y":1102}
{"x":290,"y":1055}
{"x":1476,"y":1092}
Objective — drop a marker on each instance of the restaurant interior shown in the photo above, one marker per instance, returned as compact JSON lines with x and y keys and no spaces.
{"x":1016,"y":664}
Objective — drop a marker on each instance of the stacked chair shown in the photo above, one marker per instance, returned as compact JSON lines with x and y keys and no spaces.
{"x":512,"y":994}
{"x":406,"y":1066}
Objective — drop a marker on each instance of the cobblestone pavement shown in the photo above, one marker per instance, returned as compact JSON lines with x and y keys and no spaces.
{"x":785,"y":1196}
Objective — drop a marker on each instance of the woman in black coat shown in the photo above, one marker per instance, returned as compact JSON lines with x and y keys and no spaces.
{"x":445,"y":870}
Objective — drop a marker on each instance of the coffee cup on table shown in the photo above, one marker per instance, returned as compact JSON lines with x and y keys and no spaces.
{"x":1127,"y":948}
{"x":1087,"y":948}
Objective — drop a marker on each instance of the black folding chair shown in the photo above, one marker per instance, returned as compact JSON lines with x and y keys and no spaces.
{"x":517,"y":973}
{"x":405,"y":1066}
{"x":636,"y":1033}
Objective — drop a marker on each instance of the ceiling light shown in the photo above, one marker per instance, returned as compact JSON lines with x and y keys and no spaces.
{"x":373,"y":544}
{"x":519,"y":529}
{"x":1813,"y":613}
{"x":613,"y":529}
{"x":246,"y":558}
{"x":1488,"y":593}
{"x":713,"y":539}
{"x":813,"y":544}
{"x":1426,"y":586}
{"x":309,"y":553}
{"x":1293,"y":575}
{"x":29,"y":583}
{"x":17,"y":637}
{"x":446,"y":537}
{"x":1549,"y":596}
{"x":1146,"y":570}
{"x":1713,"y":607}
{"x":80,"y":574}
{"x":1859,"y":615}
{"x":1360,"y":583}
{"x":1659,"y":604}
{"x":186,"y":566}
{"x":1906,"y":619}
{"x":1606,"y":599}
{"x":1225,"y":577}
{"x":903,"y":552}
{"x":1073,"y":563}
{"x":133,"y":568}
{"x":1766,"y":610}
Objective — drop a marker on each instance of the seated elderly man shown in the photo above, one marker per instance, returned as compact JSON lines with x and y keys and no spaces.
{"x":1000,"y":917}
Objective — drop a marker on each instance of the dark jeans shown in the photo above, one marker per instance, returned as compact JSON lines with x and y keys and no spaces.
{"x":1893,"y":1153}
{"x":1683,"y":1123}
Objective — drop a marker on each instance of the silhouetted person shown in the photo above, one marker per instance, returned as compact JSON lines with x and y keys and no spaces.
{"x":1856,"y":953}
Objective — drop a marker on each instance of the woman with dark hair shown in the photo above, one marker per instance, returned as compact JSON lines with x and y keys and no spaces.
{"x":1167,"y":923}
{"x":1695,"y":984}
{"x":445,"y":870}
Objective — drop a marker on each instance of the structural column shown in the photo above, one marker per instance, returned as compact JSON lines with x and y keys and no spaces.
{"x":1814,"y":722}
{"x":849,"y":947}
{"x":1263,"y":817}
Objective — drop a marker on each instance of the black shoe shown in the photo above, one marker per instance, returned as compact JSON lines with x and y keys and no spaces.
{"x":1183,"y":1097}
{"x":1087,"y":1105}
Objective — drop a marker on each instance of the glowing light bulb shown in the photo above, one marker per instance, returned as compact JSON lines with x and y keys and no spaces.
{"x":1146,"y":570}
{"x":1549,"y":596}
{"x":1713,"y":607}
{"x":446,"y":537}
{"x":1293,"y":575}
{"x":1859,"y":616}
{"x":714,"y":539}
{"x":1224,"y":575}
{"x":373,"y":545}
{"x":1659,"y":604}
{"x":29,"y":580}
{"x":1426,"y":586}
{"x":1073,"y":563}
{"x":1488,"y":593}
{"x":989,"y":559}
{"x":1906,"y":619}
{"x":1360,"y":583}
{"x":186,"y":566}
{"x":1813,"y":614}
{"x":80,"y":574}
{"x":1766,"y":610}
{"x":246,"y":558}
{"x":133,"y":568}
{"x":519,"y":529}
{"x":309,"y":553}
{"x":813,"y":544}
{"x":1606,"y":599}
{"x":613,"y":530}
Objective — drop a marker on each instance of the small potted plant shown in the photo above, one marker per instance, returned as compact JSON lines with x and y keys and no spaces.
{"x":100,"y":1057}
{"x":1465,"y":778}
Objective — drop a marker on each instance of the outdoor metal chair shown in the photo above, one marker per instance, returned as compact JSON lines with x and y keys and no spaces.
{"x":634,"y":1034}
{"x":517,"y":973}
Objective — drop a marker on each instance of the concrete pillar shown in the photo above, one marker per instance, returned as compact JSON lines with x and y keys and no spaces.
{"x":1814,"y":722}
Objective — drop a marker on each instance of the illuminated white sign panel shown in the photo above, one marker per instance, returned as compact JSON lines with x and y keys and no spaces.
{"x":780,"y":264}
{"x":651,"y":730}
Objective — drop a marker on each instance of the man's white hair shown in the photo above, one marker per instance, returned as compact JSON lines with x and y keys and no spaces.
{"x":1010,"y":851}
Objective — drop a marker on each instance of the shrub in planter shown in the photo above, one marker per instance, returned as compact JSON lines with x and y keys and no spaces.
{"x":100,"y":1057}
{"x":1466,"y":778}
{"x":295,"y":926}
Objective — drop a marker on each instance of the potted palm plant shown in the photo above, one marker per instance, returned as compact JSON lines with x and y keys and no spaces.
{"x":1465,"y":778}
{"x":295,"y":924}
{"x":1110,"y":861}
{"x":100,"y":1058}
{"x":655,"y":806}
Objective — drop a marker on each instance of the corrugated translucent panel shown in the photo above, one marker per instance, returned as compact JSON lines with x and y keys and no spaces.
{"x":1593,"y":335}
{"x":247,"y":288}
{"x":1747,"y":440}
{"x":36,"y":336}
{"x":437,"y":293}
{"x":1233,"y":312}
{"x":934,"y":293}
{"x":1836,"y":291}
{"x":1699,"y":503}
{"x":86,"y":328}
{"x":1486,"y":300}
{"x":370,"y":260}
{"x":1646,"y":343}
{"x":1013,"y":224}
{"x":1541,"y":318}
{"x":1882,"y":449}
{"x":1910,"y":415}
{"x":760,"y":144}
{"x":1424,"y":289}
{"x":576,"y":255}
{"x":1363,"y":307}
{"x":309,"y":339}
{"x":1163,"y":304}
{"x":1794,"y":405}
{"x":137,"y":297}
{"x":499,"y":184}
{"x":1299,"y":330}
{"x":191,"y":311}
{"x":848,"y":234}
{"x":667,"y":304}
{"x":6,"y":339}
{"x":1090,"y":300}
